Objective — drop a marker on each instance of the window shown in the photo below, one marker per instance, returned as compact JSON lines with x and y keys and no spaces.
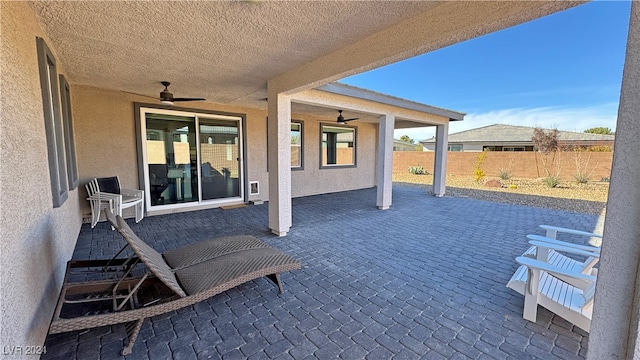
{"x":52,"y":122}
{"x":456,"y":147}
{"x":69,"y":142}
{"x":513,"y":148}
{"x":338,"y":146}
{"x":296,"y":145}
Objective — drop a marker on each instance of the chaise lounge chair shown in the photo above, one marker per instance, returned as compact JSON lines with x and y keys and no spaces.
{"x":171,"y":280}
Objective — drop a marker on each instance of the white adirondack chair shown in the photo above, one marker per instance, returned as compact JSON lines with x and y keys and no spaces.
{"x":548,"y":254}
{"x":106,"y":193}
{"x":544,"y":285}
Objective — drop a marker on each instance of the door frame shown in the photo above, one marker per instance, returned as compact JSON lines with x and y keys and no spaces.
{"x":143,"y":171}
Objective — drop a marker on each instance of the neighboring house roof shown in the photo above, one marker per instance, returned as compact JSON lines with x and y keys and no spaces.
{"x":513,"y":133}
{"x":404,"y":143}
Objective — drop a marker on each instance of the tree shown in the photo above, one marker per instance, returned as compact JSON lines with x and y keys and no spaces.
{"x":600,"y":130}
{"x":406,"y":138}
{"x":546,"y":142}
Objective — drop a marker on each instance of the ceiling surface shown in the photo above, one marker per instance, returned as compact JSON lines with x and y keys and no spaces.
{"x":227,"y":51}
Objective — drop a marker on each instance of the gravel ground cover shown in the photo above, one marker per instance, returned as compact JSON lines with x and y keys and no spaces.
{"x":587,"y":198}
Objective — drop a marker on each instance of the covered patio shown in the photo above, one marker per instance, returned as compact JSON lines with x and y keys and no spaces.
{"x":76,"y":72}
{"x":373,"y":284}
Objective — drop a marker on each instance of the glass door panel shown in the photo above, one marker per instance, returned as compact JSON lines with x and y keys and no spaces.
{"x":220,"y":171}
{"x":171,"y":159}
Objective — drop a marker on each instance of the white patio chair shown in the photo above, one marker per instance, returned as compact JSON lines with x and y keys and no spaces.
{"x":100,"y":201}
{"x":106,"y":193}
{"x":544,"y":285}
{"x":548,"y":254}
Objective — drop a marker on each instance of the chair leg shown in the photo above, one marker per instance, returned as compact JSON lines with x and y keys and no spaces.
{"x":139,"y":212}
{"x":133,"y":329}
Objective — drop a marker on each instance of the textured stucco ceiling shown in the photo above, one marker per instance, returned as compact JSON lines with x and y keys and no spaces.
{"x":227,"y":51}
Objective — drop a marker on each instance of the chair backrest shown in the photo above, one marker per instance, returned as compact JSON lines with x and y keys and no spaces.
{"x":109,"y":185}
{"x":92,"y":187}
{"x":150,"y":257}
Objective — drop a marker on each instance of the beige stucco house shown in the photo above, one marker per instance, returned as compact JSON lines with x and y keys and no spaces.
{"x":80,"y":86}
{"x":503,"y":137}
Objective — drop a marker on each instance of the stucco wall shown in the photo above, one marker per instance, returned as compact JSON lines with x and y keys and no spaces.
{"x":313,"y":180}
{"x":521,"y":164}
{"x":106,"y":145}
{"x":37,"y":239}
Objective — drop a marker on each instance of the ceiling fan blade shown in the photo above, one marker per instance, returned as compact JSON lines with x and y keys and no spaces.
{"x":188,"y":99}
{"x":132,"y":93}
{"x":351,"y":119}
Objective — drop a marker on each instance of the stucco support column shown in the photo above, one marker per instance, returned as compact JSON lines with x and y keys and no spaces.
{"x":279,"y":161}
{"x":615,"y":324}
{"x":385,"y":161}
{"x":440,"y":163}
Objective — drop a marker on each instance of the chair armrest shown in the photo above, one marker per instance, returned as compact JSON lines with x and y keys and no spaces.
{"x":591,"y":249}
{"x":132,"y":193}
{"x":570,"y":231}
{"x":554,"y":270}
{"x":569,"y":249}
{"x":103,"y":196}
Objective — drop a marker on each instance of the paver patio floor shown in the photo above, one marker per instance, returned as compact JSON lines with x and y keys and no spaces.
{"x":424,"y":279}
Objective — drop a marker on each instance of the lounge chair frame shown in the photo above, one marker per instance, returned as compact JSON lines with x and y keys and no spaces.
{"x":135,"y":298}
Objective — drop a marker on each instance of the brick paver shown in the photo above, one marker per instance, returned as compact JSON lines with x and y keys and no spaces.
{"x":424,"y":279}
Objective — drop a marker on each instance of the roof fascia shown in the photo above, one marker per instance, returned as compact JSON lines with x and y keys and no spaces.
{"x":367,"y":106}
{"x":412,"y":37}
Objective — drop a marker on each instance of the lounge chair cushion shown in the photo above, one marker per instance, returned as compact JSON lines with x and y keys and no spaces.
{"x":232,"y":269}
{"x":210,"y":249}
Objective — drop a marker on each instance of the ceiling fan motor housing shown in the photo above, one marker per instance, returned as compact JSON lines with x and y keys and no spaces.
{"x":166,"y":96}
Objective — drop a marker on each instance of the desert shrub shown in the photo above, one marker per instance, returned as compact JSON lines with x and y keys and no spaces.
{"x":478,"y":173}
{"x":582,"y":174}
{"x":513,"y":186}
{"x":418,"y":170}
{"x":581,"y":178}
{"x":546,"y":143}
{"x":600,"y":148}
{"x":551,"y":181}
{"x":605,"y":179}
{"x":504,"y":174}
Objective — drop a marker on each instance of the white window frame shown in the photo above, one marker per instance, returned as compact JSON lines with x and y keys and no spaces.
{"x":200,"y":204}
{"x":355,"y":142}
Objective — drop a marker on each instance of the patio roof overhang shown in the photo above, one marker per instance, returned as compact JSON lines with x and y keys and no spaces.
{"x":369,"y":106}
{"x":227,"y":52}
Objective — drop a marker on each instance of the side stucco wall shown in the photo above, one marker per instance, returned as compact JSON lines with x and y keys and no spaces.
{"x":106,"y":145}
{"x":37,"y":239}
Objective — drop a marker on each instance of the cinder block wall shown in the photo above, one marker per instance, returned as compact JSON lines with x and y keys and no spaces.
{"x":521,"y":164}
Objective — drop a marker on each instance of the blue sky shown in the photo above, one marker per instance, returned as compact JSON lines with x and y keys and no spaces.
{"x":562,"y":71}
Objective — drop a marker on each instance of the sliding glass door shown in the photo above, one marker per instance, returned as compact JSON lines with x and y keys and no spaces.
{"x":190,"y":158}
{"x":219,"y":159}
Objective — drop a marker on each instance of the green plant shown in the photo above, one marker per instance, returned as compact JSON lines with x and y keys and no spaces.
{"x":504,"y":174}
{"x":605,"y":179}
{"x":582,"y":175}
{"x":478,"y":173}
{"x":513,"y":186}
{"x":418,"y":170}
{"x":551,"y":181}
{"x":581,"y":178}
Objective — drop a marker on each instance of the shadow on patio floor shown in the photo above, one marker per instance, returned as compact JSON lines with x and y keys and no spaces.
{"x":424,"y":279}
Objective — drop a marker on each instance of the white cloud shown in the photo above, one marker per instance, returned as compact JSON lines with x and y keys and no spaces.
{"x":561,"y":118}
